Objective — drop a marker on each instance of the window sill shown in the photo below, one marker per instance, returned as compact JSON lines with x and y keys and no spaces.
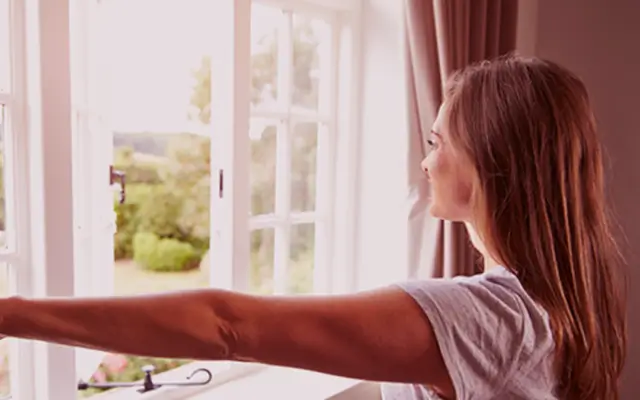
{"x":284,"y":384}
{"x":223,"y":373}
{"x":251,"y":381}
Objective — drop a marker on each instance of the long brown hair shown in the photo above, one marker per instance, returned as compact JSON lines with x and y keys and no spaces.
{"x":528,"y":128}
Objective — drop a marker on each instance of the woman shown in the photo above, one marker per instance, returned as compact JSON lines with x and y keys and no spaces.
{"x":514,"y":155}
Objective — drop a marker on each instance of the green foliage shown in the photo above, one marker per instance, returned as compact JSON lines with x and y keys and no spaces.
{"x":159,"y":212}
{"x":128,"y":217}
{"x":163,"y":255}
{"x":187,"y":173}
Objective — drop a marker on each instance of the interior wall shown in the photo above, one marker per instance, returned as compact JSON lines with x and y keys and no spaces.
{"x":597,"y":40}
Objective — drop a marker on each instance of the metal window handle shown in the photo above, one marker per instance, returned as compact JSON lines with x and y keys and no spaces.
{"x":119,"y":177}
{"x":148,"y":384}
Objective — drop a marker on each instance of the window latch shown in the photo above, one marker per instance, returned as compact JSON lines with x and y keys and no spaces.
{"x":148,"y":385}
{"x":220,"y":183}
{"x":118,"y":177}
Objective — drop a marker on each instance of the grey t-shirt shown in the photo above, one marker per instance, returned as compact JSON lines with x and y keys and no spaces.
{"x":495,"y":340}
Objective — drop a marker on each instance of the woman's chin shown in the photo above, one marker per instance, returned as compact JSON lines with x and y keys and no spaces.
{"x":434,"y":210}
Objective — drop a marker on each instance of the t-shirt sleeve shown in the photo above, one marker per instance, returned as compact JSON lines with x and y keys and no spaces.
{"x":479,"y":326}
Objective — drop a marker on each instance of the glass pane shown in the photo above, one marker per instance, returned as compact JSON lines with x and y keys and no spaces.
{"x":302,"y":253}
{"x":263,"y":136}
{"x":311,"y":45}
{"x":303,"y":166}
{"x":5,"y":373}
{"x":159,"y":108}
{"x":262,"y":249}
{"x":5,"y":58}
{"x":3,"y":209}
{"x":264,"y":55}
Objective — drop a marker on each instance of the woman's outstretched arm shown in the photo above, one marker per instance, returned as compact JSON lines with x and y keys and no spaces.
{"x":378,"y":335}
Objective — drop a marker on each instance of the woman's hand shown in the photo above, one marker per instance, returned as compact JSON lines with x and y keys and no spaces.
{"x":379,"y":335}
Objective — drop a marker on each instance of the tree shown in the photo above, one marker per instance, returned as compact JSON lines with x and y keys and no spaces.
{"x":187,"y":174}
{"x":189,"y":165}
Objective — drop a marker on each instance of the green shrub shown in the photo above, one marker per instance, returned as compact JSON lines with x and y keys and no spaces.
{"x":127,"y":218}
{"x":163,"y":255}
{"x":149,"y":208}
{"x":159,"y":213}
{"x":127,"y":227}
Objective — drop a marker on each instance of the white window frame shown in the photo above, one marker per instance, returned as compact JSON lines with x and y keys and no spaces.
{"x":17,"y":255}
{"x":42,"y":107}
{"x":335,"y":208}
{"x":43,"y":201}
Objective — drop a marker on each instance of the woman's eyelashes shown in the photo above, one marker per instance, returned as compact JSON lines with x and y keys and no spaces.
{"x":432,"y":143}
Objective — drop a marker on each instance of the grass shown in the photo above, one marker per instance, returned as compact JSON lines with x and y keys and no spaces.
{"x":130,"y":279}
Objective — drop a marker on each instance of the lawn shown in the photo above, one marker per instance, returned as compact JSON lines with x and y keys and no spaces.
{"x":130,"y":279}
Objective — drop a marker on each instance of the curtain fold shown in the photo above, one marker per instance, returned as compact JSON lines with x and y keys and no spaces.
{"x":443,"y":36}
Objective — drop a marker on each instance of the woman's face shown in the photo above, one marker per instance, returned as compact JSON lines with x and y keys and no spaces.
{"x":450,"y":174}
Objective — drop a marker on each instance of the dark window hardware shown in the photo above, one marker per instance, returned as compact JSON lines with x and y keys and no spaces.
{"x":148,"y":384}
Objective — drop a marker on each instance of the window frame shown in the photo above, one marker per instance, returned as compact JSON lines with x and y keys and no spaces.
{"x":283,"y":218}
{"x":44,"y":253}
{"x":17,"y":197}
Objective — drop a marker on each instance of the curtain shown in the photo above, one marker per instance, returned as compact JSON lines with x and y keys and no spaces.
{"x":443,"y":36}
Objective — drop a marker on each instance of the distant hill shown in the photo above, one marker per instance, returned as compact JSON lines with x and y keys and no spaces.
{"x":145,"y":142}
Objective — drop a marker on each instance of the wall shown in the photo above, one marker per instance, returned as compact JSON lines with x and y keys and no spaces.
{"x":597,"y":40}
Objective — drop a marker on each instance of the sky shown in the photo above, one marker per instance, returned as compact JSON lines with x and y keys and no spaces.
{"x":154,"y":46}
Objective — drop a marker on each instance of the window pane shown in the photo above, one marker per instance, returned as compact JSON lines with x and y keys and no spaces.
{"x":264,"y":55}
{"x":311,"y":45}
{"x":263,"y":136}
{"x":5,"y":373}
{"x":302,"y":253}
{"x":159,"y":108}
{"x":262,"y":251}
{"x":5,"y":60}
{"x":303,"y":166}
{"x":3,"y":210}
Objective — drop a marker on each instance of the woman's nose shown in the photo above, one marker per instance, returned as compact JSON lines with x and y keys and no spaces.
{"x":423,"y":166}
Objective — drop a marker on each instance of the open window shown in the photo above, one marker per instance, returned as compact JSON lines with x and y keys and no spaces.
{"x":233,"y":123}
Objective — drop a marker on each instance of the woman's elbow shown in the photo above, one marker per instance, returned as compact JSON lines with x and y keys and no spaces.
{"x":208,"y":325}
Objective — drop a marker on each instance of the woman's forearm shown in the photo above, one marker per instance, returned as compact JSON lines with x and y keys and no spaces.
{"x":192,"y":324}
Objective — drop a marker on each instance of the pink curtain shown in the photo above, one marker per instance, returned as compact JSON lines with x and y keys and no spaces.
{"x":443,"y":36}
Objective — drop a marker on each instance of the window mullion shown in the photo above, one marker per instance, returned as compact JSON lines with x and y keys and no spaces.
{"x":230,"y":155}
{"x":52,"y":256}
{"x":346,"y":150}
{"x":283,"y":154}
{"x":325,"y":168}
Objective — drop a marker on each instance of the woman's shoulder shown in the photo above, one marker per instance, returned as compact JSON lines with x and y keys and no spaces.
{"x":488,"y":328}
{"x":495,"y":291}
